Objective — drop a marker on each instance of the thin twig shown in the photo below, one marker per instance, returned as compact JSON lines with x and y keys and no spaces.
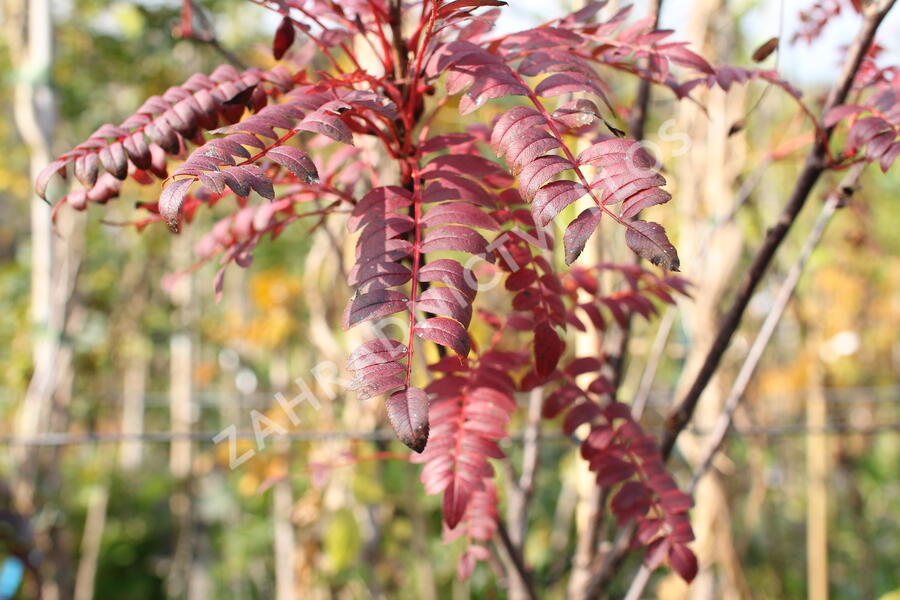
{"x":531,"y":443}
{"x":835,"y":200}
{"x":516,"y":560}
{"x":813,"y":168}
{"x":209,"y":38}
{"x":653,"y":359}
{"x":519,"y":493}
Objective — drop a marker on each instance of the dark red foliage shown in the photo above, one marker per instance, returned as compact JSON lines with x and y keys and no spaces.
{"x":873,"y":120}
{"x":481,"y":200}
{"x":814,"y":19}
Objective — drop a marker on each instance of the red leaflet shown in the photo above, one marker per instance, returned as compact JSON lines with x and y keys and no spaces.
{"x":548,"y":349}
{"x":451,"y":273}
{"x":470,"y":165}
{"x":461,"y":213}
{"x":170,"y":202}
{"x":446,"y":141}
{"x":528,"y":146}
{"x":376,"y":352}
{"x":373,"y":305}
{"x":540,"y":171}
{"x":645,"y":198}
{"x":408,"y":413}
{"x":489,"y":82}
{"x":86,"y":168}
{"x":551,"y":199}
{"x":446,"y":332}
{"x":581,"y":413}
{"x":296,"y":161}
{"x":567,"y":83}
{"x":112,"y":157}
{"x":683,"y":562}
{"x":329,"y":125}
{"x":454,"y":237}
{"x":520,"y":279}
{"x":648,"y":240}
{"x":446,"y":302}
{"x":284,"y":37}
{"x":511,"y":124}
{"x":579,"y":231}
{"x":631,"y":501}
{"x":459,"y":5}
{"x":378,"y":275}
{"x":839,"y":113}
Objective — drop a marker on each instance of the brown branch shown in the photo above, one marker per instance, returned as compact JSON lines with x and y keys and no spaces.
{"x":637,"y":121}
{"x":587,"y":543}
{"x":838,"y":198}
{"x":516,"y":559}
{"x":813,"y":168}
{"x":207,"y":36}
{"x":520,"y":492}
{"x":835,"y":200}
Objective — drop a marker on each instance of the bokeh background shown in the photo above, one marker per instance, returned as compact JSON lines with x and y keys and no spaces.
{"x":135,"y":500}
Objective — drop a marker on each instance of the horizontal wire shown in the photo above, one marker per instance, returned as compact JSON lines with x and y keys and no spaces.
{"x":74,"y":439}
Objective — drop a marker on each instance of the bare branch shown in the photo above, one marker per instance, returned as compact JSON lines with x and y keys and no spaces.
{"x":516,"y":559}
{"x":835,"y":200}
{"x":812,"y":170}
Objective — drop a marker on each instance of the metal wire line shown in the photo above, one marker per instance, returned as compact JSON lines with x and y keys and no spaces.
{"x":74,"y":439}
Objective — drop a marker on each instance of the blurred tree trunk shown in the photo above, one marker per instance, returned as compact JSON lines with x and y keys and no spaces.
{"x":704,"y":198}
{"x":181,"y":573}
{"x":29,"y":30}
{"x":180,"y":362}
{"x":134,"y":390}
{"x":133,"y":358}
{"x":54,"y":268}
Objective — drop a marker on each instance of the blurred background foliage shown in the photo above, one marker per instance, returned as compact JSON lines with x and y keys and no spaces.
{"x":349,"y":515}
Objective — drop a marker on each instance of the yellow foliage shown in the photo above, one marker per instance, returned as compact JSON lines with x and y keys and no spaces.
{"x":274,"y":288}
{"x":275,"y":296}
{"x":836,"y":299}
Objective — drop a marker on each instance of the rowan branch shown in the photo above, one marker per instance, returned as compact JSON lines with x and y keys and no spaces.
{"x":837,"y":199}
{"x":515,"y":558}
{"x":813,"y":168}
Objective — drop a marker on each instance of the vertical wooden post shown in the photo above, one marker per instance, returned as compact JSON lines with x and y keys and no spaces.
{"x":817,"y":488}
{"x":134,"y":389}
{"x":90,"y":542}
{"x":180,"y":361}
{"x":29,"y":31}
{"x":285,"y":561}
